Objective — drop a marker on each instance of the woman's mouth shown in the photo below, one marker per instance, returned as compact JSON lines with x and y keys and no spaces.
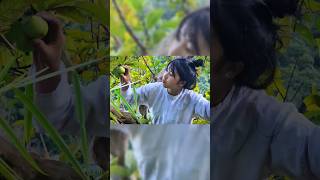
{"x":164,"y":83}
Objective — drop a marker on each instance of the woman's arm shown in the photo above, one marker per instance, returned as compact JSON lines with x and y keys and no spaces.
{"x":145,"y":95}
{"x":295,"y":147}
{"x":55,"y":97}
{"x":201,"y":106}
{"x":59,"y":107}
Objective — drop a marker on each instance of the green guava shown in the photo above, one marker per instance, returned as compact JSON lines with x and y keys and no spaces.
{"x":35,"y":27}
{"x":118,"y":71}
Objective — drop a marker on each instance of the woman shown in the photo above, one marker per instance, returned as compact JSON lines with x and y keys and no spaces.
{"x":253,"y":134}
{"x":170,"y":151}
{"x":192,"y":37}
{"x":172,"y":100}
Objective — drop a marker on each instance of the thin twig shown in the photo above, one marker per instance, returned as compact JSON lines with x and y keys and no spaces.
{"x":28,"y":80}
{"x":106,"y":30}
{"x":298,"y":90}
{"x":10,"y":46}
{"x":275,"y":84}
{"x":145,"y":62}
{"x":118,"y":87}
{"x":128,"y":28}
{"x":46,"y":155}
{"x":291,"y":76}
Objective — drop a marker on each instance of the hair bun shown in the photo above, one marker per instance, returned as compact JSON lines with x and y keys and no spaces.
{"x":198,"y":63}
{"x":281,"y":8}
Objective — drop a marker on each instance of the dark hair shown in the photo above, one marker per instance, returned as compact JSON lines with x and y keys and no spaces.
{"x":197,"y":21}
{"x":186,"y":68}
{"x":248,"y":34}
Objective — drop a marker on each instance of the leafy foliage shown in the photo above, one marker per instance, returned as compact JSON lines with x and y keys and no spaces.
{"x":138,"y":26}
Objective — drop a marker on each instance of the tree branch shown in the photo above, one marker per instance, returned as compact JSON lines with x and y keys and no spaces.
{"x":8,"y":44}
{"x":291,"y":76}
{"x":128,"y":28}
{"x":145,"y":62}
{"x":275,"y":84}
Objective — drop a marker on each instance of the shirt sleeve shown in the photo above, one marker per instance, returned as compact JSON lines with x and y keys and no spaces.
{"x":201,"y":106}
{"x":295,"y":147}
{"x":145,"y":95}
{"x":59,"y":106}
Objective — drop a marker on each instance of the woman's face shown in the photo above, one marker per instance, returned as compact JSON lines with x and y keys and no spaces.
{"x":184,"y":47}
{"x":216,"y":52}
{"x":171,"y":82}
{"x":224,"y":72}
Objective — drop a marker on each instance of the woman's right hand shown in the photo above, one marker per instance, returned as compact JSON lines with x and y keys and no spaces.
{"x":48,"y":51}
{"x":125,"y":78}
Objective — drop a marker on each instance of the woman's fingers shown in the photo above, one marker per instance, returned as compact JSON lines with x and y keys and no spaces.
{"x":55,"y":34}
{"x":127,"y":70}
{"x":124,"y":79}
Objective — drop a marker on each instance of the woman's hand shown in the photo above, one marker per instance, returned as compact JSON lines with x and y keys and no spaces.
{"x":47,"y":52}
{"x":125,"y":78}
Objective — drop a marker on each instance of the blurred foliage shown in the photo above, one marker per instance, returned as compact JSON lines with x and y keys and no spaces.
{"x":298,"y":76}
{"x":129,"y":170}
{"x":149,"y":20}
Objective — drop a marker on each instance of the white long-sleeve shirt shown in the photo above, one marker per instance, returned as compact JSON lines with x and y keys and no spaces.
{"x":168,"y":109}
{"x":59,"y":106}
{"x":170,"y":152}
{"x":254,"y":135}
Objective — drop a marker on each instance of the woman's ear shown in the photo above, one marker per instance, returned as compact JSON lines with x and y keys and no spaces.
{"x":233,"y":69}
{"x":181,"y":83}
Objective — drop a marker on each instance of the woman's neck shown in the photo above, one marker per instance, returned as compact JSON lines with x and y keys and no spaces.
{"x":220,"y":93}
{"x":174,"y":92}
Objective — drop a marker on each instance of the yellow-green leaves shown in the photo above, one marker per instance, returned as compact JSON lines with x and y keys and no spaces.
{"x":81,"y":116}
{"x":20,"y":147}
{"x":50,"y":130}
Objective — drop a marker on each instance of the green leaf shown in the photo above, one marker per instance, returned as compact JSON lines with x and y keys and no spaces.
{"x":318,"y":44}
{"x":313,"y":5}
{"x":153,"y":17}
{"x":20,"y":147}
{"x":306,"y":33}
{"x":314,"y":89}
{"x":4,"y":71}
{"x":81,"y":116}
{"x":28,"y":117}
{"x":7,"y":171}
{"x":119,"y":171}
{"x":318,"y":23}
{"x":10,"y":12}
{"x":98,"y":11}
{"x":126,"y":104}
{"x":41,"y":5}
{"x":137,"y":5}
{"x":130,"y":161}
{"x":52,"y":132}
{"x":312,"y":100}
{"x":72,"y":14}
